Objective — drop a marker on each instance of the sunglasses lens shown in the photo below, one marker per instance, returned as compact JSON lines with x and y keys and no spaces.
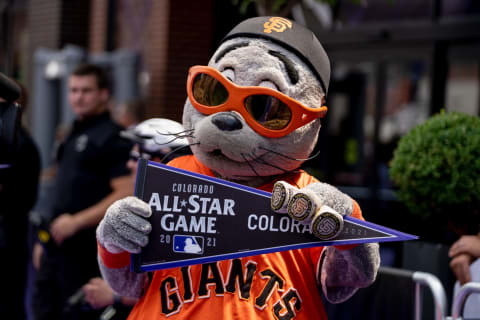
{"x":268,"y":111}
{"x":208,"y":91}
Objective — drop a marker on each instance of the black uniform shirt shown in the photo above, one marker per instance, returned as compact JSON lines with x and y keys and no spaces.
{"x":92,"y":155}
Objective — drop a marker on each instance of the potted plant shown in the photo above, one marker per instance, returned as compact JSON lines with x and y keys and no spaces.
{"x":436,"y":172}
{"x":436,"y":168}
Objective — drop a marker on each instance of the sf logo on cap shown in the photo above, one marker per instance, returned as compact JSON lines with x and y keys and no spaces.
{"x":277,"y":24}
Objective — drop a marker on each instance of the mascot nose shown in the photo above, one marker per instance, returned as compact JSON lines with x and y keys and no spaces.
{"x":226,"y":122}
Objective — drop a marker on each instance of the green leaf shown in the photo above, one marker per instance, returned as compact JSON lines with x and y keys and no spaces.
{"x":436,"y":165}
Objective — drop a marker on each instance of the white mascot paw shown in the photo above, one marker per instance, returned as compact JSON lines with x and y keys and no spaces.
{"x":124,"y":227}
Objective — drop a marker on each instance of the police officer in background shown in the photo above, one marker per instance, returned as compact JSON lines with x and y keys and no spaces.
{"x":91,"y":174}
{"x":158,"y":140}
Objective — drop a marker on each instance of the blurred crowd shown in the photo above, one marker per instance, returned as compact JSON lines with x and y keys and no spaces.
{"x":48,"y":219}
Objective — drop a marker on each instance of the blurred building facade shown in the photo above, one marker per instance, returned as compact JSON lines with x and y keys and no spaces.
{"x":394,"y":63}
{"x":167,"y":36}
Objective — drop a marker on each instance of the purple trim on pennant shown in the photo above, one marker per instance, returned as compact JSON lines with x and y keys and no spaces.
{"x":181,"y":263}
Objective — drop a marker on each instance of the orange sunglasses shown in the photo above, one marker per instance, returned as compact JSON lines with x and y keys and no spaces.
{"x":269,"y":112}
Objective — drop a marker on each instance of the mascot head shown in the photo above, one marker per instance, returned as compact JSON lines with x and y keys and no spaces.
{"x":254,"y":112}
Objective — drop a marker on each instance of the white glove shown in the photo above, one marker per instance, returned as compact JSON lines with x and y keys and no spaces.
{"x":124,"y":227}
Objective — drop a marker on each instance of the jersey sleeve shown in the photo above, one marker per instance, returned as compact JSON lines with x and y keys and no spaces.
{"x":113,"y":260}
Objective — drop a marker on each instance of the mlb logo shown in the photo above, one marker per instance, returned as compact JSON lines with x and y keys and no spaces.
{"x":187,"y":244}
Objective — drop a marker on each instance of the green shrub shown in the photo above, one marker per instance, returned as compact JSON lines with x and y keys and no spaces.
{"x":436,"y":167}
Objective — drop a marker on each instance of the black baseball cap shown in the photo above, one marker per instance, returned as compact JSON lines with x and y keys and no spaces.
{"x":292,"y":36}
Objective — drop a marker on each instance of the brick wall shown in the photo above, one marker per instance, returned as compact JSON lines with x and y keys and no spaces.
{"x":98,"y":26}
{"x":44,"y":24}
{"x":44,"y":32}
{"x":54,"y":23}
{"x":75,"y":23}
{"x":171,"y":36}
{"x":190,"y":43}
{"x":156,"y":57}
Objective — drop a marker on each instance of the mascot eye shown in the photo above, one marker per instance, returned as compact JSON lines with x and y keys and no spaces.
{"x":209,"y":91}
{"x":270,"y":112}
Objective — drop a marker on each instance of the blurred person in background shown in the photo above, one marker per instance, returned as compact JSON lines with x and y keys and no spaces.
{"x":18,"y":194}
{"x":38,"y":218}
{"x":91,"y":174}
{"x":156,"y":140}
{"x":128,"y":114}
{"x":464,"y":252}
{"x":465,"y":264}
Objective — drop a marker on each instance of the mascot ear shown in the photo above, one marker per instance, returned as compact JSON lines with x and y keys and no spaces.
{"x":292,"y":36}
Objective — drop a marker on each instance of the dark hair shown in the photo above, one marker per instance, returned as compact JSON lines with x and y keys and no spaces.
{"x":93,"y":70}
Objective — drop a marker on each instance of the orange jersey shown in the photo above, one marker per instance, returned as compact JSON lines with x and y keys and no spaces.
{"x":280,"y":285}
